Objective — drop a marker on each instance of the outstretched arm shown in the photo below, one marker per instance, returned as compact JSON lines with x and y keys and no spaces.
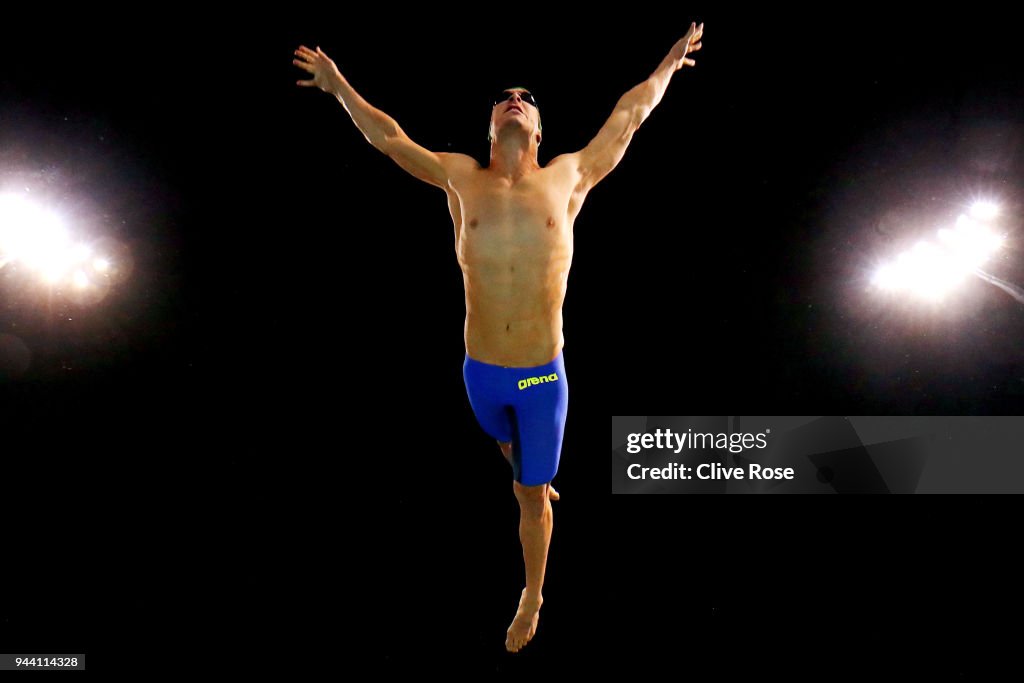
{"x":604,"y":152}
{"x":380,"y":130}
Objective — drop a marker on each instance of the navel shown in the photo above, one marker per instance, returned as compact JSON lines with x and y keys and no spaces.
{"x":473,"y":222}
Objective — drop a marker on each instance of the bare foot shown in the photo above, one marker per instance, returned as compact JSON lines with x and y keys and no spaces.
{"x":524,"y":625}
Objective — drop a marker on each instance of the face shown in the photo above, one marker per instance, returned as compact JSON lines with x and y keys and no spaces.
{"x":515,"y":106}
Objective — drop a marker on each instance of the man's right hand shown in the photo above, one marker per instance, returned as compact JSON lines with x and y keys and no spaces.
{"x":325,"y":74}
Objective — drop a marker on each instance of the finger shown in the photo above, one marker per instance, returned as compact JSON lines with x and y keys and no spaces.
{"x":303,"y":50}
{"x":304,"y":66}
{"x":693,"y":47}
{"x":306,"y":84}
{"x":689,"y":62}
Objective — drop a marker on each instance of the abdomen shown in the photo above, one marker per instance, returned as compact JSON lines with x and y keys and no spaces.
{"x":515,"y":288}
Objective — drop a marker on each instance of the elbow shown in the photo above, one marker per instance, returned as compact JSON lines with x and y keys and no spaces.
{"x":646,"y":95}
{"x":385,"y":135}
{"x":638,"y":108}
{"x":637,"y":115}
{"x":386,"y":140}
{"x":640,"y":114}
{"x":383,"y":143}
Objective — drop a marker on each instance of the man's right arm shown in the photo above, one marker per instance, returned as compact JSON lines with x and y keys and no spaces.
{"x":380,"y":130}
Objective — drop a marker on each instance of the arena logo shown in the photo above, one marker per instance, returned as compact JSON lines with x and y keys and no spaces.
{"x":530,"y":381}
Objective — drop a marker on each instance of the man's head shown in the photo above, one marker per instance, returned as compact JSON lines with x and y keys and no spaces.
{"x":515,"y":107}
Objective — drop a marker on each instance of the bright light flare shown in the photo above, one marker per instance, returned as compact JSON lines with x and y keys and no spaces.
{"x":984,"y":210}
{"x":931,"y":271}
{"x":971,"y":243}
{"x":30,"y":234}
{"x":37,"y":239}
{"x":889,"y":277}
{"x":926,"y":271}
{"x":81,"y":253}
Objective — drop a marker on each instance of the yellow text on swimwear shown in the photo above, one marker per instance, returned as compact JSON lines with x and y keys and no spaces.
{"x":530,"y":381}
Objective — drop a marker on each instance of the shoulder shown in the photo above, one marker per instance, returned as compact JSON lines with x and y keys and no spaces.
{"x":565,"y":162}
{"x":454,"y":162}
{"x":567,"y":168}
{"x":568,"y":165}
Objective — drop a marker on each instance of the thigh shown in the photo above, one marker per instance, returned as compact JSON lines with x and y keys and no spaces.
{"x":488,"y":398}
{"x":540,"y":414}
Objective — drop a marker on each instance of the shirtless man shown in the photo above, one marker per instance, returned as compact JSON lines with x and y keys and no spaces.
{"x":513,"y":238}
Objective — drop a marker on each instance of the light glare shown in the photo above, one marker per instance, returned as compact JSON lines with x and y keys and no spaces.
{"x":984,"y":210}
{"x":81,"y":253}
{"x":39,"y":240}
{"x":35,"y":241}
{"x":971,"y":243}
{"x":926,"y":271}
{"x":30,"y":234}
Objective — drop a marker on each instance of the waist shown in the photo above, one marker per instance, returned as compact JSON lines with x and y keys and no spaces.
{"x":513,"y":343}
{"x":553,"y":363}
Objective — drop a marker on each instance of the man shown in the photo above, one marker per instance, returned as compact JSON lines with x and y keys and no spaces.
{"x":513,"y":235}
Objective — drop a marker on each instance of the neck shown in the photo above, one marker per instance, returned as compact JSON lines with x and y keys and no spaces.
{"x":514,"y":155}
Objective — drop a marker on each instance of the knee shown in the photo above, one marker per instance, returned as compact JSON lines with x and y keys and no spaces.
{"x":533,"y":500}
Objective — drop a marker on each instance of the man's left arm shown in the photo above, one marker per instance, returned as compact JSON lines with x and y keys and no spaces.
{"x":604,"y":152}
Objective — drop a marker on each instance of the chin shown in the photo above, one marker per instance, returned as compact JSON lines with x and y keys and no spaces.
{"x":517,"y":125}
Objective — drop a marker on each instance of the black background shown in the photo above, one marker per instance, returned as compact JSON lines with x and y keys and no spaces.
{"x":258,"y":452}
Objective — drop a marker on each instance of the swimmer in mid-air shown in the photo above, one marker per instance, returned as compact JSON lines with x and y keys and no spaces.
{"x":514,"y":241}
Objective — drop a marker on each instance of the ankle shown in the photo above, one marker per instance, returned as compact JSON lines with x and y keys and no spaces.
{"x":531,"y":599}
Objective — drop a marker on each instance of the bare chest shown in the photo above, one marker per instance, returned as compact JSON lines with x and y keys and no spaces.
{"x":499,"y":219}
